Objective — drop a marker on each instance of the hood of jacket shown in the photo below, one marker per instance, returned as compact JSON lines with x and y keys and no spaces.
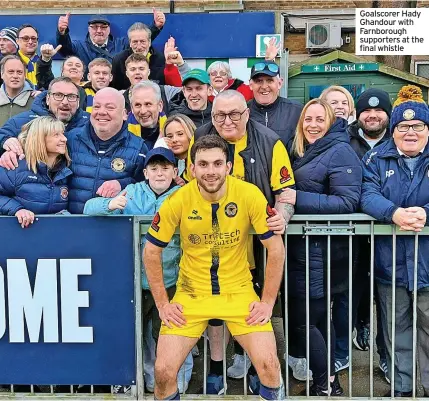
{"x":21,"y":99}
{"x":40,"y":108}
{"x":336,"y":134}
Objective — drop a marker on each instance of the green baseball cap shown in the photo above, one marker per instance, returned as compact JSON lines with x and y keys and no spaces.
{"x":198,"y":74}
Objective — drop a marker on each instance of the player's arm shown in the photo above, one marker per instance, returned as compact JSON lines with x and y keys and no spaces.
{"x":158,"y":236}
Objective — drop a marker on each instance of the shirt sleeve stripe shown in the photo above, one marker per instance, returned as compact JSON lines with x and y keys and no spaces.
{"x":156,"y":241}
{"x":267,"y":235}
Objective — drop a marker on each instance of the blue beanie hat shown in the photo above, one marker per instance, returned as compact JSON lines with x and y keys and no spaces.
{"x":409,"y":106}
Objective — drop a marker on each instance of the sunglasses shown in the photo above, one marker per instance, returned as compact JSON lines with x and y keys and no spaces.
{"x":262,"y":66}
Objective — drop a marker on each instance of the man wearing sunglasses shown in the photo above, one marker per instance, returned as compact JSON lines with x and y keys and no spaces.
{"x":99,"y":41}
{"x":61,"y":100}
{"x":268,"y":107}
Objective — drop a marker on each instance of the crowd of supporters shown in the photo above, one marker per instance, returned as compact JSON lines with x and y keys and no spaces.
{"x":113,"y":134}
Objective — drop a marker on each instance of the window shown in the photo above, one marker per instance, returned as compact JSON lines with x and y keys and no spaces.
{"x":421,"y":68}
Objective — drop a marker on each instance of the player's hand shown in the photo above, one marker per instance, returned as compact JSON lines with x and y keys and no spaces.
{"x":47,"y":51}
{"x":109,"y":189}
{"x":158,"y":18}
{"x":119,"y":202}
{"x":25,"y":217}
{"x":276,"y":223}
{"x":260,"y":313}
{"x":63,"y":23}
{"x":172,"y":314}
{"x":288,"y":195}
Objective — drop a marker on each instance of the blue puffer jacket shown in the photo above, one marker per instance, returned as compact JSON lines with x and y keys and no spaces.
{"x":39,"y":108}
{"x":388,"y":185}
{"x":122,"y":161}
{"x":22,"y":189}
{"x":141,"y":200}
{"x":328,"y":181}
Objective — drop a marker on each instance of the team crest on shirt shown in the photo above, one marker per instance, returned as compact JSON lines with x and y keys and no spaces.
{"x":194,"y":238}
{"x":231,"y":209}
{"x":64,"y":192}
{"x":155,"y":222}
{"x":284,"y":175}
{"x":270,"y":211}
{"x":118,"y":165}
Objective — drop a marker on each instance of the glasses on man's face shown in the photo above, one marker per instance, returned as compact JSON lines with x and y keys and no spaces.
{"x":262,"y":66}
{"x":99,"y":27}
{"x":233,"y":116}
{"x":26,"y":39}
{"x":71,"y":97}
{"x":216,"y":73}
{"x":419,"y":127}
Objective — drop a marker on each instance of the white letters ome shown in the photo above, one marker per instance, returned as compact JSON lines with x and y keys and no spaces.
{"x":30,"y":307}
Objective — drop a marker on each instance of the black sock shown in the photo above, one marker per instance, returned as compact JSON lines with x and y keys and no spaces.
{"x":238,"y":349}
{"x":216,"y":367}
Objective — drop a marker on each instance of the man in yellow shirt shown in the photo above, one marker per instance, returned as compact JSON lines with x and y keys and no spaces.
{"x":215,"y":213}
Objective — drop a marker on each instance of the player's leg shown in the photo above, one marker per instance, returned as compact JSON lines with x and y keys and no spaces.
{"x":262,"y":350}
{"x":171,"y":353}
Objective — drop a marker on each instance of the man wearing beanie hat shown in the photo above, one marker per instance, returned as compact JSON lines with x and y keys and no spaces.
{"x":395,"y":190}
{"x":371,"y":127}
{"x":8,"y":37}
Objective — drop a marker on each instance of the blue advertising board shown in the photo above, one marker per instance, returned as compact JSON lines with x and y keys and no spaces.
{"x":67,"y":311}
{"x":198,"y":35}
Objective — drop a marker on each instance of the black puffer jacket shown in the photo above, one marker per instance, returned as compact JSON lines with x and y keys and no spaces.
{"x":281,"y":116}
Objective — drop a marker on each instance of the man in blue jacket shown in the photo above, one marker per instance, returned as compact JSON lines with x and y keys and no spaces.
{"x":396,"y":191}
{"x":98,"y":42}
{"x":106,"y":157}
{"x":61,"y":100}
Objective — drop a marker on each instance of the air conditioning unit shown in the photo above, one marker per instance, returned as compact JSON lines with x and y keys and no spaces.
{"x":324,"y":35}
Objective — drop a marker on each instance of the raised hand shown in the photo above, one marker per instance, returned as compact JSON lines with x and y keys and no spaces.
{"x":47,"y":51}
{"x":63,"y":23}
{"x":158,"y":18}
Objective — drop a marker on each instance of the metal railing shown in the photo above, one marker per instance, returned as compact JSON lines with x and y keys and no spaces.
{"x":328,"y":226}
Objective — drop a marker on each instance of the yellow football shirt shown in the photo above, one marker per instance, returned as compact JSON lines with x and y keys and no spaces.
{"x":213,"y":235}
{"x":281,"y":169}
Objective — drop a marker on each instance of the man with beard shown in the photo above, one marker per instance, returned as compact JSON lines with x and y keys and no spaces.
{"x":214,"y":278}
{"x":61,"y":100}
{"x":147,"y":117}
{"x":193,"y":100}
{"x":371,"y":129}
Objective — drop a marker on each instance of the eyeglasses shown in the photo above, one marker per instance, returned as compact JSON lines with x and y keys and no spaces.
{"x":263,"y":66}
{"x":233,"y":116}
{"x":71,"y":97}
{"x":419,"y":127}
{"x":220,"y":73}
{"x":100,"y":27}
{"x":28,"y":38}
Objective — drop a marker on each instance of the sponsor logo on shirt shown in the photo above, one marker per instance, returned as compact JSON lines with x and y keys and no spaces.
{"x":284,"y":175}
{"x":195,"y":216}
{"x":155,"y":222}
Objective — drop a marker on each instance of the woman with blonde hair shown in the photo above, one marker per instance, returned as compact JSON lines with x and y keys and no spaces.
{"x":341,"y":101}
{"x":176,"y":134}
{"x":39,"y":184}
{"x":328,"y":179}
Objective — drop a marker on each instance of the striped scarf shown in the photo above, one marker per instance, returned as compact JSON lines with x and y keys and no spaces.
{"x":90,"y":93}
{"x":135,"y":128}
{"x":30,"y":67}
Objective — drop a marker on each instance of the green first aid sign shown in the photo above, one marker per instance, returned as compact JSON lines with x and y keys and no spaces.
{"x":263,"y":40}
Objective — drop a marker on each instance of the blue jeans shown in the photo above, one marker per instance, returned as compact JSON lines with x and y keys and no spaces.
{"x":340,"y":319}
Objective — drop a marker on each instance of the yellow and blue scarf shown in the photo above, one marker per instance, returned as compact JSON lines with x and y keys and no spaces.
{"x":90,"y":93}
{"x":30,"y":67}
{"x":135,"y":128}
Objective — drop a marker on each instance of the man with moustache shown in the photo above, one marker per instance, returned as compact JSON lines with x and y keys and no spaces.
{"x":61,"y":100}
{"x":371,"y":129}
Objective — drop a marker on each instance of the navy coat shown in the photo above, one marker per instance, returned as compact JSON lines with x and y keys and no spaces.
{"x":22,"y":189}
{"x":12,"y":127}
{"x":387,"y":185}
{"x":122,"y":161}
{"x":328,"y":181}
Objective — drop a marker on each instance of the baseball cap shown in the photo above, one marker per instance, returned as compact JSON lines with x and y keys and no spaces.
{"x":101,"y":19}
{"x":265,"y":67}
{"x":10,"y":33}
{"x":160,"y":151}
{"x":198,"y":74}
